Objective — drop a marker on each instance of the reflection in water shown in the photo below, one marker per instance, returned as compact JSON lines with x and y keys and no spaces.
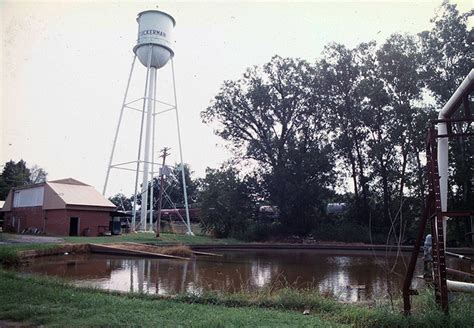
{"x":345,"y":275}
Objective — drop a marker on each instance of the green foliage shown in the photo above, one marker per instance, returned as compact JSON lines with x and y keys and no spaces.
{"x":17,"y":175}
{"x":176,"y":190}
{"x":270,"y":119}
{"x":225,"y":203}
{"x":13,"y":175}
{"x":357,"y":113}
{"x":447,"y":51}
{"x":122,"y":202}
{"x":347,"y":231}
{"x":173,"y":186}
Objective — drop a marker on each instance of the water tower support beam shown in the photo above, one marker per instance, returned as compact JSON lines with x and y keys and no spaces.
{"x":185,"y":192}
{"x":146,"y":172}
{"x":134,"y":209}
{"x":152,"y":176}
{"x":118,"y":126}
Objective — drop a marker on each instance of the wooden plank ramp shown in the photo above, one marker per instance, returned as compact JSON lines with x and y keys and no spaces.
{"x":194,"y":252}
{"x":123,"y":250}
{"x":206,"y":253}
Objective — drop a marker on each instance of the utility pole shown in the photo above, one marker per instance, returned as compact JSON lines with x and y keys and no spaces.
{"x":164,"y":153}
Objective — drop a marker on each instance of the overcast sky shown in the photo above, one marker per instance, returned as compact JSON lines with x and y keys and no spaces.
{"x":64,"y":68}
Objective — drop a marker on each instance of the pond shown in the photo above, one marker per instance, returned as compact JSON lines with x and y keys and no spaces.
{"x":344,"y":275}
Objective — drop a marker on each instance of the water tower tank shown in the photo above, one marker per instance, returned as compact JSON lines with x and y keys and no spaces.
{"x":154,"y":28}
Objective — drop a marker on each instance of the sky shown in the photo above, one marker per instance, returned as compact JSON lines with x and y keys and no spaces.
{"x":65,"y":65}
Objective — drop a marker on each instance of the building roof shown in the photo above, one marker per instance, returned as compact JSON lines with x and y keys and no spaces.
{"x":72,"y":193}
{"x":70,"y":181}
{"x":1,"y":204}
{"x":65,"y":193}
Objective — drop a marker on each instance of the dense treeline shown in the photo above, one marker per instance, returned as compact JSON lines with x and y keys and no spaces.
{"x":302,"y":129}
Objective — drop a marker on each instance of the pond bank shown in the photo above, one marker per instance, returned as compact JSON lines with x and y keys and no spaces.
{"x":14,"y":253}
{"x":328,"y":246}
{"x":131,"y":249}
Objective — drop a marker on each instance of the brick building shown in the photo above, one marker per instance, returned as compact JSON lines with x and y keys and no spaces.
{"x":65,"y":207}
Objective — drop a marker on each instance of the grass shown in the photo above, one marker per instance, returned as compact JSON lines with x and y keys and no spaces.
{"x":54,"y":303}
{"x":42,"y":301}
{"x":380,"y":314}
{"x":9,"y":253}
{"x":179,"y":250}
{"x":49,"y":302}
{"x":150,"y":238}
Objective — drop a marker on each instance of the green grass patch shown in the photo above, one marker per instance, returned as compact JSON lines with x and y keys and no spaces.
{"x":149,"y":238}
{"x":42,"y":301}
{"x":9,"y":253}
{"x":378,"y":314}
{"x":49,"y":302}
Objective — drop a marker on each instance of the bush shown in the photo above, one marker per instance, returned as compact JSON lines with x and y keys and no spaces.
{"x":347,"y":231}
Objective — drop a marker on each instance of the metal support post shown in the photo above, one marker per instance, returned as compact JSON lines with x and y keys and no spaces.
{"x":118,"y":126}
{"x":149,"y":116}
{"x":152,"y":198}
{"x":185,"y":192}
{"x":134,"y":209}
{"x":162,"y":184}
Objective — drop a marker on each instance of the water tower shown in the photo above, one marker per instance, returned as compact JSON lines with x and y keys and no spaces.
{"x":154,"y":49}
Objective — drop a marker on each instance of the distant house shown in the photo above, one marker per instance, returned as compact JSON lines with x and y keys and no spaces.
{"x":64,"y":207}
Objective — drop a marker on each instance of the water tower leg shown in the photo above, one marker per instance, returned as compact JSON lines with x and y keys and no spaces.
{"x":152,"y":176}
{"x":118,"y":126}
{"x":185,"y":192}
{"x":146,"y":163}
{"x":134,"y":214}
{"x":150,"y":218}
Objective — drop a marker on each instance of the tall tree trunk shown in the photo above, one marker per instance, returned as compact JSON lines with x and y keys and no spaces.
{"x":354,"y":175}
{"x":404,"y":167}
{"x":362,"y":178}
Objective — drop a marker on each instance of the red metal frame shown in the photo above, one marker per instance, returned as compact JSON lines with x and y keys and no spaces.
{"x":432,"y":212}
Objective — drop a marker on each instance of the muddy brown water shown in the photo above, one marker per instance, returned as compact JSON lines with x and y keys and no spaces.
{"x":345,"y":275}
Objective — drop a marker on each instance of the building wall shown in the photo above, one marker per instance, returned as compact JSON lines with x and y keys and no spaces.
{"x":56,"y":222}
{"x":24,"y":217}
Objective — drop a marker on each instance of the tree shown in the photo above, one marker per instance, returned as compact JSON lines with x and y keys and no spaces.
{"x":37,"y":174}
{"x":122,"y":202}
{"x":270,"y":119}
{"x":225,"y":203}
{"x":447,"y":54}
{"x":174,"y":188}
{"x":340,"y":74}
{"x":18,"y":174}
{"x":399,"y":68}
{"x":447,"y":51}
{"x":176,"y":191}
